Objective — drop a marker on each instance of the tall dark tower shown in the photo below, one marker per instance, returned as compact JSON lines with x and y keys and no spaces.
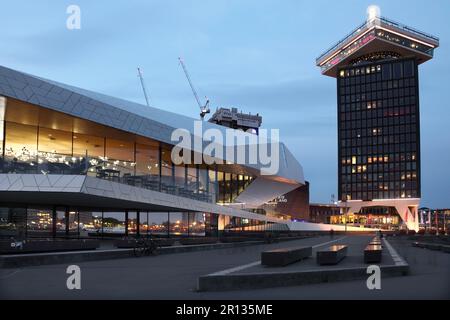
{"x":376,"y":67}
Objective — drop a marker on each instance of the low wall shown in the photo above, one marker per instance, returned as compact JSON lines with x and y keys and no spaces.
{"x":50,"y":245}
{"x":320,"y":227}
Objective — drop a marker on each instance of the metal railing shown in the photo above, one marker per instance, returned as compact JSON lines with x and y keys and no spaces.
{"x":100,"y":167}
{"x":340,"y":42}
{"x":365,"y":26}
{"x":409,"y":29}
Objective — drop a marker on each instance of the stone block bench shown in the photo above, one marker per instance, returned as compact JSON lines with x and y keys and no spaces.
{"x":332,"y":255}
{"x":373,"y":253}
{"x":284,"y":257}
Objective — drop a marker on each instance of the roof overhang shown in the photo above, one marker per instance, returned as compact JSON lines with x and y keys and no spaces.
{"x":145,"y":121}
{"x":375,"y":36}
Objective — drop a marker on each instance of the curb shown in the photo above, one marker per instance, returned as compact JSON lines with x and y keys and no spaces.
{"x":432,"y":246}
{"x":288,"y":279}
{"x":37,"y":259}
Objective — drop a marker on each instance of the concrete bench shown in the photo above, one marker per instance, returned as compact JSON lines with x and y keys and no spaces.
{"x":283,"y":257}
{"x":332,"y":255}
{"x":373,"y":253}
{"x":375,"y":240}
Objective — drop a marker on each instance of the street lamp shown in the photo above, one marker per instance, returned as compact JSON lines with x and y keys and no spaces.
{"x":346,"y":219}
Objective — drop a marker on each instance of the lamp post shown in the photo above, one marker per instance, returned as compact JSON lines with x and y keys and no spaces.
{"x":346,"y":219}
{"x":445,"y":223}
{"x":429,"y":219}
{"x":436,"y":218}
{"x":345,"y":222}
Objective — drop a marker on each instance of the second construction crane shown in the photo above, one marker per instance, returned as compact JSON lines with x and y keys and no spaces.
{"x":204,"y":109}
{"x":143,"y":86}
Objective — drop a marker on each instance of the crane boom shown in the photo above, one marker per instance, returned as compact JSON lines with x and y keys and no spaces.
{"x":190,"y":82}
{"x":203,"y":109}
{"x":143,"y":86}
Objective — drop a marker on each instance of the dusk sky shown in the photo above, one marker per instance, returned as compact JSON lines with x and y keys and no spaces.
{"x":256,"y":55}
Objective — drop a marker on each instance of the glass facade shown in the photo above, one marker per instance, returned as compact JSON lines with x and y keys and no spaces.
{"x":39,"y":222}
{"x":63,"y":222}
{"x":40,"y":141}
{"x":158,"y":223}
{"x":378,"y":131}
{"x":13,"y":222}
{"x":231,"y":185}
{"x":35,"y":140}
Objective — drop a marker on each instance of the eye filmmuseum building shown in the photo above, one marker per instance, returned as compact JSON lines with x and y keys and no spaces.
{"x":78,"y":163}
{"x":377,"y":72}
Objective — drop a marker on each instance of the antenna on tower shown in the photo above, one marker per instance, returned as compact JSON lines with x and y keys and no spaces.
{"x":143,"y":85}
{"x":373,"y":14}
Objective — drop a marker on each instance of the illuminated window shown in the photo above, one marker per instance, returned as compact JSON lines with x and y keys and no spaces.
{"x":180,"y":176}
{"x":120,"y":149}
{"x":191,"y":178}
{"x":93,"y":146}
{"x":20,"y":141}
{"x":166,"y":167}
{"x":55,"y":141}
{"x":147,"y":159}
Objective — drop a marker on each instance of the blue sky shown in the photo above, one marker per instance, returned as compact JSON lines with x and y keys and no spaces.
{"x":256,"y":55}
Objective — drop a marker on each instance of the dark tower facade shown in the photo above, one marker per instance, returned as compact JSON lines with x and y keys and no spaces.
{"x":377,"y":73}
{"x":378,"y":131}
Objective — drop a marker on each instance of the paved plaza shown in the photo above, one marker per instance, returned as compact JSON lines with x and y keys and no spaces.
{"x":174,"y":276}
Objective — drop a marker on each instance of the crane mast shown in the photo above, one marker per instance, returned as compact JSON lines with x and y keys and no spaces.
{"x":143,"y":86}
{"x":204,"y":109}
